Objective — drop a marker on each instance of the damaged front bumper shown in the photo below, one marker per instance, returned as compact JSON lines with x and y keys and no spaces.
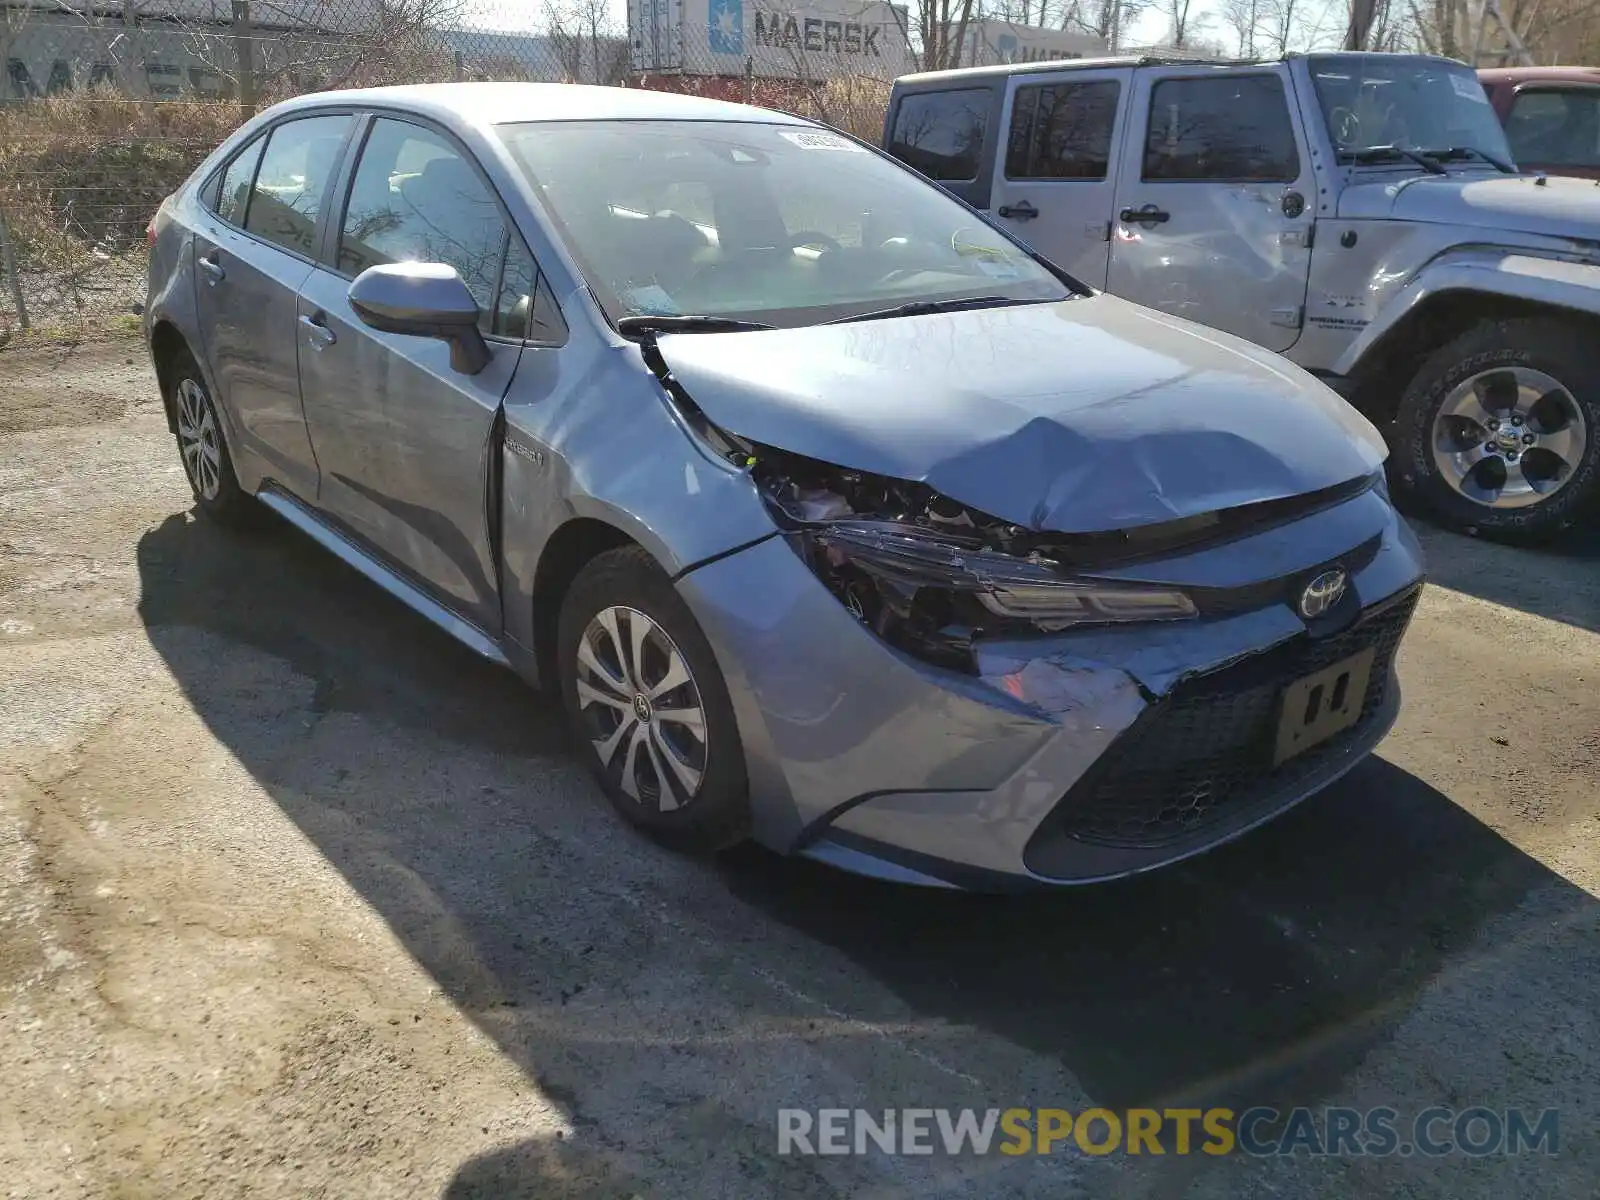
{"x":1068,"y":758}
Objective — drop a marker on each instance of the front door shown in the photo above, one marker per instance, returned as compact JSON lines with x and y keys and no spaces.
{"x":253,"y":251}
{"x":1055,"y":184}
{"x":1215,"y":202}
{"x":404,"y":440}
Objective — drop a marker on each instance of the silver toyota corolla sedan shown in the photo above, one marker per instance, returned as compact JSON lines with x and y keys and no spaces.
{"x":838,"y":519}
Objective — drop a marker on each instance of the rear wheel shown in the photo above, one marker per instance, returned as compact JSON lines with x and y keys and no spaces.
{"x":651,"y":710}
{"x":206,"y":462}
{"x":1499,"y":433}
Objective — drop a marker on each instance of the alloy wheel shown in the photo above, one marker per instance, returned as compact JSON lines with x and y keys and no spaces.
{"x":641,"y":709}
{"x":198,"y":439}
{"x":1509,"y":437}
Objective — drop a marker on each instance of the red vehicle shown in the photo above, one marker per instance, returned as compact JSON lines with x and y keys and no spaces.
{"x":1551,"y":116}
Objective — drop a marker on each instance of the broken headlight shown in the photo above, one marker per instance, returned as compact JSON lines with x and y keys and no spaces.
{"x":1025,"y":589}
{"x":930,"y":575}
{"x":932,"y":593}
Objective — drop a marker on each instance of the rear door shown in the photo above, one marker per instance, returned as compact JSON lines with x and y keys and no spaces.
{"x":1214,"y":201}
{"x":253,"y":249}
{"x":1054,"y":183}
{"x":405,"y":441}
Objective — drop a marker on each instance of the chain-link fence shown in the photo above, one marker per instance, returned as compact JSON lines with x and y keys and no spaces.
{"x":106,"y":105}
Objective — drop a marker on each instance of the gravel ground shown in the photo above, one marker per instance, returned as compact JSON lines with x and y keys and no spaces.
{"x":297,"y":898}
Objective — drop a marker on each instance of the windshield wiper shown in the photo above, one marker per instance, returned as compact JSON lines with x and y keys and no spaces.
{"x":1460,"y":152}
{"x":1367,"y":154}
{"x":645,"y":323}
{"x":917,"y":308}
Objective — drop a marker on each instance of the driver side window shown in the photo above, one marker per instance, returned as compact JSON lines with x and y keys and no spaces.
{"x":415,"y":198}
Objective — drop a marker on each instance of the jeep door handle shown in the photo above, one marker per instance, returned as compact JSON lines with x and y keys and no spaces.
{"x":1020,"y":211}
{"x":318,"y":334}
{"x":212,"y":268}
{"x":1149,"y":214}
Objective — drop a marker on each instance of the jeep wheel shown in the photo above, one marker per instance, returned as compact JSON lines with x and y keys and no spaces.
{"x":1499,"y":433}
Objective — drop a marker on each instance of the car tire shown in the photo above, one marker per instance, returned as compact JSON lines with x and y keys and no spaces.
{"x":1538,"y":386}
{"x":202,"y":448}
{"x":669,"y":758}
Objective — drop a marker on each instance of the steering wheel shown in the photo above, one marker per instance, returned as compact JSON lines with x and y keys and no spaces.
{"x":1346,"y":127}
{"x":812,"y":239}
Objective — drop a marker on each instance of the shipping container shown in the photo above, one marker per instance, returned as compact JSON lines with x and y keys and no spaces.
{"x":770,"y":39}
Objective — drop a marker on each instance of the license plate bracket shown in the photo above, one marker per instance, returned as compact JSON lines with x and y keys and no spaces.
{"x":1315,"y":707}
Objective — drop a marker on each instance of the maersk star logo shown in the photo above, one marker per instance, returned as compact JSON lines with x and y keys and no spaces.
{"x":726,"y":26}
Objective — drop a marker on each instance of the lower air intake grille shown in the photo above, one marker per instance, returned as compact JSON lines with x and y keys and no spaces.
{"x":1203,"y":755}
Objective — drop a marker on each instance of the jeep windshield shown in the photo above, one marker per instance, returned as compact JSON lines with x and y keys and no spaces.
{"x":781,"y":225}
{"x":1407,"y":111}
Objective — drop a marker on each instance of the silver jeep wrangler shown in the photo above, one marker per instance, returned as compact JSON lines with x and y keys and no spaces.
{"x":1357,"y":213}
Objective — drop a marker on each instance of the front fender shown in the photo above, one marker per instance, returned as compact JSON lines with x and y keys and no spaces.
{"x":591,"y":434}
{"x":1548,"y":281}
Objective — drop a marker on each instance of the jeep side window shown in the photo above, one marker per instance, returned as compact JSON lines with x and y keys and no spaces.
{"x":1225,"y":128}
{"x":941,"y":133}
{"x":1062,"y":130}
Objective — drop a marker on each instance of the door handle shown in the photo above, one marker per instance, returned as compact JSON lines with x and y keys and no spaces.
{"x":318,"y":334}
{"x":1020,"y":211}
{"x":212,"y":268}
{"x":1148,"y":215}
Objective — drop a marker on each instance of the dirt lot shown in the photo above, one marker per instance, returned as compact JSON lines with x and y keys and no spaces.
{"x":297,"y":898}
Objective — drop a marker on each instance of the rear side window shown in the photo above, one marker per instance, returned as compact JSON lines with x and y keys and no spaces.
{"x":941,"y":134}
{"x":292,"y":181}
{"x":1232,"y":128}
{"x":234,"y":194}
{"x":415,"y":198}
{"x":1062,"y":130}
{"x":1555,"y":128}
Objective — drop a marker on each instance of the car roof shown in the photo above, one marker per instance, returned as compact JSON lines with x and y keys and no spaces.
{"x":510,"y":103}
{"x":977,"y":74}
{"x":1540,"y":75}
{"x":1064,"y":64}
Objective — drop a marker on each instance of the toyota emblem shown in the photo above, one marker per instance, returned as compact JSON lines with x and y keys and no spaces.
{"x":1322,"y":593}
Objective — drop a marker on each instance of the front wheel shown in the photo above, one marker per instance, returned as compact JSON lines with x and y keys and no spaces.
{"x":1499,"y":432}
{"x":650,"y":708}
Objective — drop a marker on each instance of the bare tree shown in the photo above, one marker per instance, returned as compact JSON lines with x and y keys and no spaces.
{"x":1046,"y":14}
{"x":1485,"y":33}
{"x":1106,"y":19}
{"x":262,"y":57}
{"x":942,"y":27}
{"x":1244,"y":18}
{"x":1178,"y":13}
{"x":1280,"y":25}
{"x":588,"y":46}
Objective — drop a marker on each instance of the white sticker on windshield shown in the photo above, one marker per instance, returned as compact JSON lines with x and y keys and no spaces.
{"x":1468,"y":88}
{"x":816,"y":139}
{"x":653,"y":301}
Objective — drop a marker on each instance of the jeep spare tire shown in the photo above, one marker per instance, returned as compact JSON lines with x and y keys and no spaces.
{"x":1499,"y":432}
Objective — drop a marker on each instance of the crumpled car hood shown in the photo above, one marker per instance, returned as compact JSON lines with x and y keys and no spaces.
{"x":1559,"y":207}
{"x":1080,"y":417}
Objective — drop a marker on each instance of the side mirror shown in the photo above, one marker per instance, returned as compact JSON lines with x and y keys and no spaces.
{"x":426,"y":300}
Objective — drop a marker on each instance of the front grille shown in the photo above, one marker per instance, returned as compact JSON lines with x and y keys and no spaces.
{"x":1202,"y":756}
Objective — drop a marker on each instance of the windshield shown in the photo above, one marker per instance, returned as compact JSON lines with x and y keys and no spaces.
{"x":781,"y":224}
{"x":1374,"y":100}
